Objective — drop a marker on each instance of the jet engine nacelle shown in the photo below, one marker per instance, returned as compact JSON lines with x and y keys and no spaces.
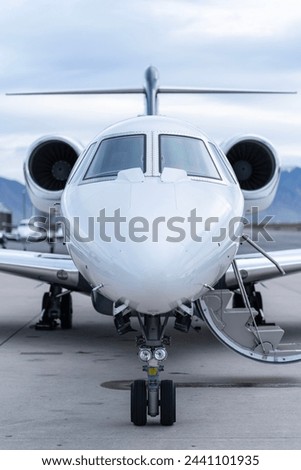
{"x":257,"y":168}
{"x":49,"y":162}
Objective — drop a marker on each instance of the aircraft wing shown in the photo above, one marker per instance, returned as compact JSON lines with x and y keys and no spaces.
{"x":254,"y":267}
{"x":44,"y":267}
{"x":60,"y":269}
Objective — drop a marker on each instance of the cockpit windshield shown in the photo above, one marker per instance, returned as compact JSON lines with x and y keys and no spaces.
{"x":117,"y":153}
{"x":187,"y":153}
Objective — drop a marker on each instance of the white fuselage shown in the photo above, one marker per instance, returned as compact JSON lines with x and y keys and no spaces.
{"x":169,"y":235}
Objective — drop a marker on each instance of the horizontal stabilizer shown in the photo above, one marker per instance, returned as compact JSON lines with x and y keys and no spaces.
{"x":151,"y":91}
{"x":117,"y":91}
{"x":162,"y":90}
{"x":221,"y":91}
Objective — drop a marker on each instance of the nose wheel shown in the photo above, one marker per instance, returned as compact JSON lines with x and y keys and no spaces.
{"x":152,"y":396}
{"x":166,"y":402}
{"x":138,"y":403}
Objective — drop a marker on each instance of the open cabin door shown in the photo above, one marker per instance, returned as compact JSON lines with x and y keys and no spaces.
{"x":238,"y":329}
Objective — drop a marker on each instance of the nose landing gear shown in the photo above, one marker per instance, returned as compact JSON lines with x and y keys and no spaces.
{"x":152,"y":395}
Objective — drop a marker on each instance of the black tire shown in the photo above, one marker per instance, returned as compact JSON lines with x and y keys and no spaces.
{"x":168,"y":403}
{"x":46,"y":322}
{"x":45,"y":308}
{"x":45,"y":301}
{"x":66,"y":312}
{"x":138,"y":403}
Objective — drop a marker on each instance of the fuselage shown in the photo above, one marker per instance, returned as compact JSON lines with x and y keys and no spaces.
{"x":153,"y":213}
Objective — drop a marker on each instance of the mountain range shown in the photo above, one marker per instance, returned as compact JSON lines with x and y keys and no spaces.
{"x":286,"y":207}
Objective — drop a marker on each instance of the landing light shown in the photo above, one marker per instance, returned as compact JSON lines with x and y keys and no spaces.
{"x":145,"y":354}
{"x":160,"y":354}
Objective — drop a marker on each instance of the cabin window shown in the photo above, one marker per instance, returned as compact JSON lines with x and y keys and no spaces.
{"x":187,"y":153}
{"x":117,"y":153}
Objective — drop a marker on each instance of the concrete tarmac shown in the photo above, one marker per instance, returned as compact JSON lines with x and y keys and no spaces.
{"x":69,"y":389}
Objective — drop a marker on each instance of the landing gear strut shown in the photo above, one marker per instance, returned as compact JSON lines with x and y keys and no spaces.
{"x":56,"y":305}
{"x":152,"y":395}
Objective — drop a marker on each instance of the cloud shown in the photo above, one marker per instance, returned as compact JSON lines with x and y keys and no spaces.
{"x":231,"y":19}
{"x":216,"y":43}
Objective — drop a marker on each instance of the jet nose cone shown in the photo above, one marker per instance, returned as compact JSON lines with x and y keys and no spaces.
{"x":157,"y":277}
{"x":154,"y":276}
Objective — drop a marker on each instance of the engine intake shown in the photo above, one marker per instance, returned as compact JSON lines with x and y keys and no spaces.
{"x":50,"y":164}
{"x":256,"y":165}
{"x":253,"y":164}
{"x":47,"y":168}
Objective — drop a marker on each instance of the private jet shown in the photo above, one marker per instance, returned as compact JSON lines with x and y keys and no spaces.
{"x":153,"y":213}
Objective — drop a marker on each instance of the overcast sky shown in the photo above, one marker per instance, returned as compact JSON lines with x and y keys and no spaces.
{"x":61,"y":44}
